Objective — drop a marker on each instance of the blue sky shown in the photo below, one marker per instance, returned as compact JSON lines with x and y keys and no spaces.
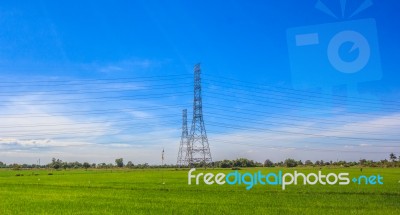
{"x":97,"y":80}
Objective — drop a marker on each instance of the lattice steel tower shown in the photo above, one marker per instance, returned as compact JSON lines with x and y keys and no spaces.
{"x":198,"y":147}
{"x":183,"y":150}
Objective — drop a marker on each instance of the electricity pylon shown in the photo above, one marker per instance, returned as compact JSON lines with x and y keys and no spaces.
{"x":183,"y":150}
{"x":198,"y":147}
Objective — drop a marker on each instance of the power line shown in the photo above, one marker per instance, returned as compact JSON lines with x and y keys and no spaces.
{"x":96,"y":91}
{"x":257,"y":114}
{"x":99,"y":99}
{"x":293,"y":90}
{"x":92,"y":81}
{"x":89,"y":112}
{"x":77,"y":131}
{"x":218,"y":124}
{"x":307,"y":100}
{"x":281,"y":105}
{"x":161,"y":117}
{"x":280,"y":98}
{"x":265,"y":137}
{"x":288,"y":125}
{"x":114,"y":120}
{"x":147,"y":125}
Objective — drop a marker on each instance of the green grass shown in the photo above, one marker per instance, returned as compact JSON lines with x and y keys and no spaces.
{"x":142,"y":192}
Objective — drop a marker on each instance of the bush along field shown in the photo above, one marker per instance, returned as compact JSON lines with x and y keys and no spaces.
{"x":166,"y":191}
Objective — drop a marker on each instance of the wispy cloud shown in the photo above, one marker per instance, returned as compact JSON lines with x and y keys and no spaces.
{"x":293,"y":142}
{"x":123,"y":66}
{"x":30,"y":131}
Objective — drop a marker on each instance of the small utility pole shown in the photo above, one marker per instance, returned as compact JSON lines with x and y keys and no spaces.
{"x":162,"y":166}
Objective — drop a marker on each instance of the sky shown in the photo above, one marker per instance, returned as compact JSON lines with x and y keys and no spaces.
{"x":98,"y":80}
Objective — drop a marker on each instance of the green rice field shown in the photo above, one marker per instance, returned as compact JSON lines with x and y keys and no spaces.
{"x":141,"y":191}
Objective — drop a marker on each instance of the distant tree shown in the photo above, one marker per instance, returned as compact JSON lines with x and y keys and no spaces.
{"x":200,"y":164}
{"x":225,"y":164}
{"x":238,"y":163}
{"x":308,"y":163}
{"x":243,"y":162}
{"x":363,"y":161}
{"x":371,"y":163}
{"x":143,"y":166}
{"x":16,"y":166}
{"x":76,"y":164}
{"x":119,"y":162}
{"x":290,"y":162}
{"x":56,"y":163}
{"x":129,"y":164}
{"x":268,"y":163}
{"x":384,"y":162}
{"x":392,"y":157}
{"x":86,"y":165}
{"x":64,"y":165}
{"x":341,"y":163}
{"x":102,"y":165}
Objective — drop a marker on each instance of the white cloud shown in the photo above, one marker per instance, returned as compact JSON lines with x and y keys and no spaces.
{"x":78,"y":137}
{"x":127,"y":65}
{"x":31,"y":131}
{"x":139,"y":114}
{"x":278,"y":146}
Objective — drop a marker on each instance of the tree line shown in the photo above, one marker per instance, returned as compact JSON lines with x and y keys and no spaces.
{"x":243,"y":162}
{"x":58,"y":164}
